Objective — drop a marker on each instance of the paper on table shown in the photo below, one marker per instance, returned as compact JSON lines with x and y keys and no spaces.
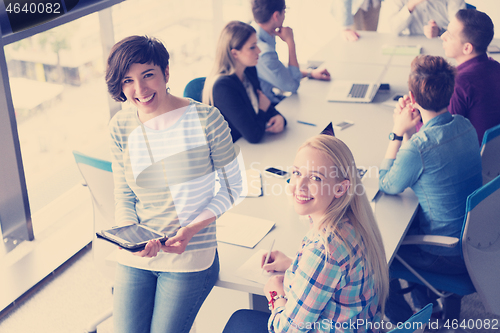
{"x":253,"y":186}
{"x":252,"y":271}
{"x":242,"y":230}
{"x":402,"y":49}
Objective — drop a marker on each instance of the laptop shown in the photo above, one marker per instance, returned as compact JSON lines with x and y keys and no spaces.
{"x":354,"y":92}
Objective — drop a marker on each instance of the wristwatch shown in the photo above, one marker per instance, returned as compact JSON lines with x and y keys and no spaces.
{"x":393,"y":136}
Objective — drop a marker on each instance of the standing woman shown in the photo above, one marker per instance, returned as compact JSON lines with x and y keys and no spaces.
{"x":338,"y":281}
{"x":167,"y":152}
{"x":233,"y":86}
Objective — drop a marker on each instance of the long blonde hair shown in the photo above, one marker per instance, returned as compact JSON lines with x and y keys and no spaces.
{"x":354,"y":204}
{"x":234,"y":35}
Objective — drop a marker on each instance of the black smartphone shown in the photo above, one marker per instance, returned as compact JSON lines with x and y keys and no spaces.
{"x":132,"y":237}
{"x":277,"y":172}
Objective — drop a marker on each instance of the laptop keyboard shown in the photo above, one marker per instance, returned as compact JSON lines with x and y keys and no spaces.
{"x":358,"y":90}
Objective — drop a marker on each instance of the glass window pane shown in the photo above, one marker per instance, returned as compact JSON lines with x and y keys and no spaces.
{"x":59,"y":96}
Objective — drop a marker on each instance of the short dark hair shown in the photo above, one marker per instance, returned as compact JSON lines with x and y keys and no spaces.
{"x":128,"y":51}
{"x":263,"y":10}
{"x":432,"y":80}
{"x":478,"y":29}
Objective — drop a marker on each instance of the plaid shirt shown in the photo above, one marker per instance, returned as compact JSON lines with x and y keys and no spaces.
{"x":330,"y":290}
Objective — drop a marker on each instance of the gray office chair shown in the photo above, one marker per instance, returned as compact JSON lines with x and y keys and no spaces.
{"x":490,"y":154}
{"x":98,"y":178}
{"x":480,"y":246}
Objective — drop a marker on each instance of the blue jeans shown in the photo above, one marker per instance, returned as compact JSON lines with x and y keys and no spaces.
{"x":160,"y":302}
{"x":397,"y":309}
{"x":247,"y":321}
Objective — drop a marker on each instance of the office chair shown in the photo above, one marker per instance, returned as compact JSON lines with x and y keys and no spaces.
{"x":469,"y":6}
{"x":98,"y":178}
{"x":417,"y":322}
{"x":480,"y":246}
{"x":194,"y":89}
{"x":490,"y":154}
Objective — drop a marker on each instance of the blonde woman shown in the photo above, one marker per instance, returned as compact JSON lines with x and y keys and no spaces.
{"x":233,"y":86}
{"x":339,"y":277}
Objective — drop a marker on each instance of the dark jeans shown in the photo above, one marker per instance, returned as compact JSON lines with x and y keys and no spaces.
{"x":247,"y":321}
{"x":397,"y":309}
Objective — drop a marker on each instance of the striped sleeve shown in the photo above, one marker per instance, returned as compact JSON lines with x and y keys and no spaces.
{"x":125,"y":198}
{"x":225,"y":161}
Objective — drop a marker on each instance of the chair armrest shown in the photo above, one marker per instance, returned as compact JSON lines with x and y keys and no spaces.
{"x":443,"y":241}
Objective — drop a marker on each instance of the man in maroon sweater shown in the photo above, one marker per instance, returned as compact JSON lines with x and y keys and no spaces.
{"x":477,"y":85}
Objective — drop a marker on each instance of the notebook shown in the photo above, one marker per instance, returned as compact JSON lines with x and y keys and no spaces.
{"x":349,"y":91}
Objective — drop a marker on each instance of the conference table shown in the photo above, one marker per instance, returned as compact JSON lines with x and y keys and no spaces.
{"x":367,"y":138}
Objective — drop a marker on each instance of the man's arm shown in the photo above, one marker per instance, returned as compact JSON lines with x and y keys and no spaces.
{"x":399,"y":13}
{"x":401,"y":167}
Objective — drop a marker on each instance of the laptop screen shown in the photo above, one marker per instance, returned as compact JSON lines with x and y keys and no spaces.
{"x":328,"y":130}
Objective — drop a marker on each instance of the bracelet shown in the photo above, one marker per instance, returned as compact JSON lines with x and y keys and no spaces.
{"x":274,"y":298}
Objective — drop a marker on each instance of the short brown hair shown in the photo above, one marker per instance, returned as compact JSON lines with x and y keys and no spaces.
{"x":477,"y":29}
{"x":432,"y":80}
{"x":263,"y":10}
{"x":128,"y":51}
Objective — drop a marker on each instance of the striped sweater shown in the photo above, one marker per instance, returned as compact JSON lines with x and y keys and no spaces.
{"x":165,"y":178}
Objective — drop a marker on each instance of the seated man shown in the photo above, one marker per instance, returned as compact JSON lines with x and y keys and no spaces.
{"x":356,"y":15}
{"x":441,"y":163}
{"x":477,"y":84}
{"x":269,"y":16}
{"x":421,"y":17}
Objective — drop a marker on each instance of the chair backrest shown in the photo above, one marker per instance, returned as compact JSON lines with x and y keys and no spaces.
{"x":194,"y":89}
{"x":469,"y":6}
{"x":490,"y":154}
{"x":98,"y":177}
{"x":417,"y":322}
{"x":481,"y":243}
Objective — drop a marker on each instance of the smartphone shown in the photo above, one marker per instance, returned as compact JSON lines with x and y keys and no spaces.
{"x":343,"y":125}
{"x":277,"y":172}
{"x":132,"y":237}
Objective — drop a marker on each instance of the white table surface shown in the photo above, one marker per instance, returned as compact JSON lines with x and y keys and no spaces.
{"x":367,"y":140}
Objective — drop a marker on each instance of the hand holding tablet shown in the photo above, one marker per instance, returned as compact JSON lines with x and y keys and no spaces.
{"x":132,"y":237}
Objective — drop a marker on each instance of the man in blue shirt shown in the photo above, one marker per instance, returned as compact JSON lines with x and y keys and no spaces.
{"x":269,"y":16}
{"x":441,"y":163}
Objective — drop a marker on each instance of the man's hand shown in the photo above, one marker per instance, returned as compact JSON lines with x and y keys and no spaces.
{"x":321,"y":74}
{"x":413,"y":3}
{"x":431,"y":30}
{"x":405,"y":117}
{"x":350,"y":35}
{"x":286,"y":35}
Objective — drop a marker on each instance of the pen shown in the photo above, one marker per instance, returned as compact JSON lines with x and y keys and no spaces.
{"x":303,"y":122}
{"x":268,"y":255}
